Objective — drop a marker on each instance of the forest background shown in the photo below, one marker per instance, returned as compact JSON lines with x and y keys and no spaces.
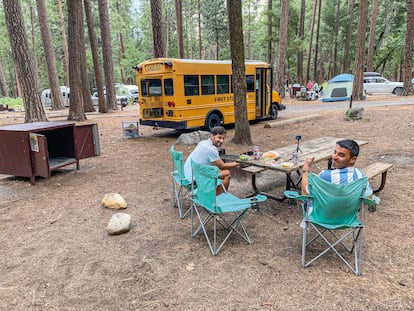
{"x":304,"y":40}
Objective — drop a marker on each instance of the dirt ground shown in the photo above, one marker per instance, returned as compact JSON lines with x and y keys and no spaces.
{"x":56,"y":253}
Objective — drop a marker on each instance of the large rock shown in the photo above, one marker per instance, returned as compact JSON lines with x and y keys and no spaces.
{"x":193,"y":137}
{"x":114,"y":201}
{"x":119,"y":223}
{"x":354,"y":113}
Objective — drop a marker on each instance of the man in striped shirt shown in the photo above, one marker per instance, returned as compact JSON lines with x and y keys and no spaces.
{"x":343,"y":171}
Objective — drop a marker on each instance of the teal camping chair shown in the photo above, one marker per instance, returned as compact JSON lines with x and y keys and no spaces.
{"x":181,"y":186}
{"x":211,"y":210}
{"x":335,"y":214}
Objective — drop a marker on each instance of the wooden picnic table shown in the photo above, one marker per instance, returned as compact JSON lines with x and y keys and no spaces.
{"x":320,"y":149}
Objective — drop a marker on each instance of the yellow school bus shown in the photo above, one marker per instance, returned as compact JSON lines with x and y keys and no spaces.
{"x":187,"y":93}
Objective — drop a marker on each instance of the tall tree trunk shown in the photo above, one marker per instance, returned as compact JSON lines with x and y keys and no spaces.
{"x":75,"y":19}
{"x":200,"y":41}
{"x":107,"y":54}
{"x":357,"y":90}
{"x":346,"y":59}
{"x":56,"y":94}
{"x":179,"y":21}
{"x":32,"y":24}
{"x":315,"y":61}
{"x":24,"y":68}
{"x":300,"y":79}
{"x":269,"y":31}
{"x":94,"y":49}
{"x":308,"y":62}
{"x":121,"y":47}
{"x":167,"y":32}
{"x":281,"y":58}
{"x":371,"y":45}
{"x":86,"y":93}
{"x":64,"y":42}
{"x":156,"y":15}
{"x":242,"y":130}
{"x":3,"y":83}
{"x":408,"y":50}
{"x":336,"y":41}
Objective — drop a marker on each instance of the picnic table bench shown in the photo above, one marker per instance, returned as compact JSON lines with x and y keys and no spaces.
{"x":375,"y":169}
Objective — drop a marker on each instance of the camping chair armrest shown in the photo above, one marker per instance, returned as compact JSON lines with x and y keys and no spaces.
{"x":374,"y":200}
{"x":296,"y":196}
{"x":252,"y":201}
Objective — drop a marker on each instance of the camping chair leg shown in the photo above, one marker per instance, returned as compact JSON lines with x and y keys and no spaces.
{"x":332,"y":247}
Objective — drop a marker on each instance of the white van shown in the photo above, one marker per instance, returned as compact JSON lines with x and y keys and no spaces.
{"x":46,"y":96}
{"x":132,"y":90}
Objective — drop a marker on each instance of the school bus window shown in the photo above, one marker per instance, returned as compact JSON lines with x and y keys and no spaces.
{"x":222,"y":84}
{"x":250,"y":83}
{"x":154,"y":87}
{"x":190,"y":85}
{"x":207,"y":85}
{"x":143,"y":87}
{"x":168,"y":87}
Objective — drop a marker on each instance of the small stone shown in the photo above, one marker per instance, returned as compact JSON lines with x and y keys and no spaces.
{"x":119,"y":223}
{"x":114,"y":201}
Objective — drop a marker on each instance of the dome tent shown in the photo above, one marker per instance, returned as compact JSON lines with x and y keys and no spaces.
{"x":339,"y":88}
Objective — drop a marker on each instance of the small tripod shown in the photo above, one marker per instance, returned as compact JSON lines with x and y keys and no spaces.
{"x":298,"y":138}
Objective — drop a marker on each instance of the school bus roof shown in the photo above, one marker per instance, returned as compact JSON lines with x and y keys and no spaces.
{"x":201,"y":61}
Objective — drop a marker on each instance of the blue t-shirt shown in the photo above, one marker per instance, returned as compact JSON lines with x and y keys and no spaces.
{"x":205,"y":153}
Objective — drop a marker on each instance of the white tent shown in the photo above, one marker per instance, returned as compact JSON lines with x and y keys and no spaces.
{"x":339,"y":88}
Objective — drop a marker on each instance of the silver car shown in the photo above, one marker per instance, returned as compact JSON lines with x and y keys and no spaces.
{"x":374,"y":85}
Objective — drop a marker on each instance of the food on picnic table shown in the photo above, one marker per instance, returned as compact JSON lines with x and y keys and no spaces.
{"x":270,"y":155}
{"x":244,"y":157}
{"x":286,"y":164}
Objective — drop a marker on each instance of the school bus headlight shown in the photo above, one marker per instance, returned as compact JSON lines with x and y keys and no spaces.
{"x":169,"y":113}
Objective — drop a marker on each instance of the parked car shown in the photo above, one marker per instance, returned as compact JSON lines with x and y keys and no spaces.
{"x":374,"y":85}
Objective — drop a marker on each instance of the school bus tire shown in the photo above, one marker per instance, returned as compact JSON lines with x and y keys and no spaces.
{"x":213,"y":119}
{"x":274,"y":110}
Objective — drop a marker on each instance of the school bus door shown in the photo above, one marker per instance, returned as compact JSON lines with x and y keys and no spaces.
{"x":262,"y":96}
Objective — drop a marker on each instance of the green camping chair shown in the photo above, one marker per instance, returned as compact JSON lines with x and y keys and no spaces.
{"x":211,"y":210}
{"x":334,"y":214}
{"x":181,"y":186}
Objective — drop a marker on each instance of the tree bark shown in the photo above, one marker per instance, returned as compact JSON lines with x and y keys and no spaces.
{"x":64,"y":42}
{"x":308,"y":62}
{"x":315,"y":60}
{"x":299,"y":66}
{"x":56,"y":94}
{"x":345,"y":63}
{"x":269,"y":31}
{"x":32,"y":25}
{"x":357,"y":90}
{"x":371,"y":44}
{"x":242,"y":130}
{"x":179,"y":21}
{"x":34,"y":111}
{"x":281,"y":58}
{"x":3,"y":83}
{"x":107,"y":54}
{"x":408,"y":50}
{"x":156,"y":14}
{"x":94,"y":49}
{"x":75,"y":19}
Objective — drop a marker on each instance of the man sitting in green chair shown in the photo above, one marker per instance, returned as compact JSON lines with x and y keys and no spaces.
{"x":206,"y":152}
{"x":343,"y":170}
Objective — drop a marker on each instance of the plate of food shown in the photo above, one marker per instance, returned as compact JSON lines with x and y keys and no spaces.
{"x":270,"y":155}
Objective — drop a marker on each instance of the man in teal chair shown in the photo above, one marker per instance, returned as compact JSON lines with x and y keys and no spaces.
{"x":206,"y":152}
{"x":343,"y":171}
